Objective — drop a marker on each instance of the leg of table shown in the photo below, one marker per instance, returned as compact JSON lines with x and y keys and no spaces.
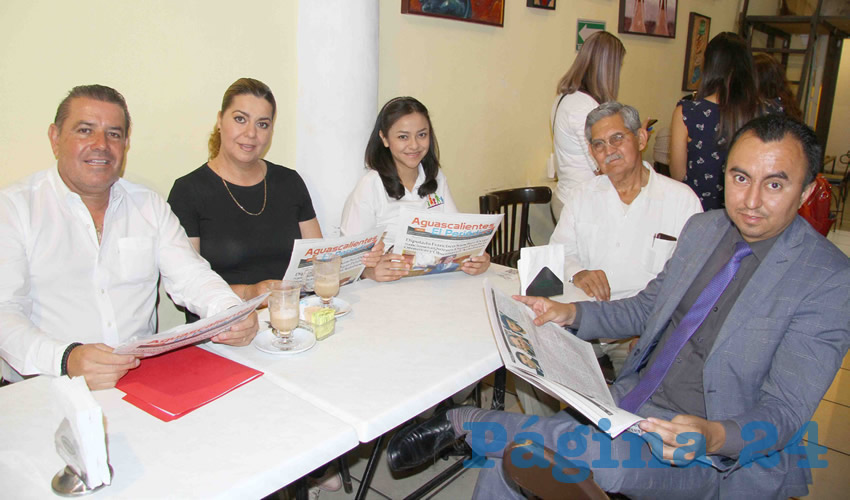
{"x":301,"y":489}
{"x":342,"y":465}
{"x":499,"y":381}
{"x":370,"y":469}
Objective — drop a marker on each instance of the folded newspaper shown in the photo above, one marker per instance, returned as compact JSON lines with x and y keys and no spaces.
{"x":558,"y":363}
{"x":349,"y":248}
{"x":179,"y":336}
{"x":439,"y":243}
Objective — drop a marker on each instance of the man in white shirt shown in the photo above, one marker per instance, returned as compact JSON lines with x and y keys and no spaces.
{"x":82,"y":250}
{"x":619,"y":228}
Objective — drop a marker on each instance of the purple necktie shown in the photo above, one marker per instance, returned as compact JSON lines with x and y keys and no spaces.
{"x":689,"y":324}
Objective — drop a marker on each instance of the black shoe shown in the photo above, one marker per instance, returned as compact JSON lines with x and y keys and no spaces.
{"x":418,"y":443}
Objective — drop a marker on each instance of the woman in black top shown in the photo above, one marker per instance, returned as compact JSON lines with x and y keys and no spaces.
{"x":240,"y":211}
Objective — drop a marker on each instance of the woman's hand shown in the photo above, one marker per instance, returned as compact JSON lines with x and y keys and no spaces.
{"x":390,"y":267}
{"x":476,"y":265}
{"x":373,"y":256}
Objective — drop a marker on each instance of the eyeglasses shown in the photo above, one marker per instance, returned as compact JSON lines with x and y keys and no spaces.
{"x":598,"y":145}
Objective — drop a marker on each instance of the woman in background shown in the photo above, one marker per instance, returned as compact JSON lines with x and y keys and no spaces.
{"x":773,"y":86}
{"x":702,"y":128}
{"x":242,"y":212}
{"x":403,"y":162}
{"x":593,"y":78}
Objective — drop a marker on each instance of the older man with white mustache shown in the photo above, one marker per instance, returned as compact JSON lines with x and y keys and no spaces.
{"x":619,"y":228}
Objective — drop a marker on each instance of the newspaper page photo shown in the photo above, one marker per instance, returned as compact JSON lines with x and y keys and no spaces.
{"x":349,"y":248}
{"x":434,"y":243}
{"x":553,"y":360}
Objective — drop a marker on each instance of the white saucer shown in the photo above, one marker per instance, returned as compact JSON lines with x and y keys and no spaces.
{"x":302,"y":340}
{"x":341,"y":307}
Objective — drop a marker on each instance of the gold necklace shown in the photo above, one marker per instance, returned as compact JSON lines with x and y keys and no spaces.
{"x":265,"y":197}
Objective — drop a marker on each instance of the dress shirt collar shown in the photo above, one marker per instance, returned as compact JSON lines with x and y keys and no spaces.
{"x":648,"y":189}
{"x":760,"y":248}
{"x":63,"y":192}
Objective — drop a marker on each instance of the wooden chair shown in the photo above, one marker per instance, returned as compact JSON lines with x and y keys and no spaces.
{"x":540,"y":482}
{"x":513,"y":234}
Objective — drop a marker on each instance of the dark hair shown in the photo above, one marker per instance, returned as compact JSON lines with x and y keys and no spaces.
{"x":775,"y":127}
{"x":728,"y":73}
{"x":596,"y":69}
{"x":241,"y":86}
{"x":96,"y":92}
{"x":772,"y":84}
{"x":380,"y":159}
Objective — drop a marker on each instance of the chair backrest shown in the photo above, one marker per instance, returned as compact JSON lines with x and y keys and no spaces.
{"x":514,"y":204}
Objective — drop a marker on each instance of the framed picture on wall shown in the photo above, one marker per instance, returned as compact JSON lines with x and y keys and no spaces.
{"x":541,"y":4}
{"x":648,"y":17}
{"x":698,"y":37}
{"x":490,"y":12}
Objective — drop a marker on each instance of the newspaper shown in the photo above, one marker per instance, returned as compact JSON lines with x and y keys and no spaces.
{"x":349,"y":248}
{"x":179,"y":336}
{"x":439,"y":243}
{"x":560,"y":364}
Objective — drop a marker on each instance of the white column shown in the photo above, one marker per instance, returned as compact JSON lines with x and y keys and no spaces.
{"x":337,"y":99}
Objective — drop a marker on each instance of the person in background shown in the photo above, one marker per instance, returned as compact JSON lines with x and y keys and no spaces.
{"x":593,"y":78}
{"x":773,"y":85}
{"x":702,"y":128}
{"x":82,"y":252}
{"x":403,"y":162}
{"x":240,"y":211}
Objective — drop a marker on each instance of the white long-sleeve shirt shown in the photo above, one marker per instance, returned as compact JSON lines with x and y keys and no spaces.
{"x":599,"y":231}
{"x":58,"y":286}
{"x":370,"y":206}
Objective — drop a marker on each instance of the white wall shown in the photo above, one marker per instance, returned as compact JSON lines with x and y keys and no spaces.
{"x":171,"y":60}
{"x":489,"y":89}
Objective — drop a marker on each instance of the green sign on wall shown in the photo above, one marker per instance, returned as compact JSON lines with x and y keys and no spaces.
{"x":585,"y":28}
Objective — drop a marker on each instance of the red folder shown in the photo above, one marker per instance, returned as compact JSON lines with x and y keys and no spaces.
{"x":173,"y":384}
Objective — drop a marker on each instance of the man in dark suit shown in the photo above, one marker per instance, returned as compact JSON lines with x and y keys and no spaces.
{"x":740,"y":336}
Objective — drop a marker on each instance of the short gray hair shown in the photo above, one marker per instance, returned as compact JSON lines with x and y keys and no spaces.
{"x":630,"y":116}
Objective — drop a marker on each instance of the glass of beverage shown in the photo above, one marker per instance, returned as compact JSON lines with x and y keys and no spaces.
{"x":326,"y":277}
{"x":284,"y":309}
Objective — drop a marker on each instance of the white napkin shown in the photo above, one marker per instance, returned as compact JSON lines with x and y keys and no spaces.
{"x":541,"y":269}
{"x":80,"y":438}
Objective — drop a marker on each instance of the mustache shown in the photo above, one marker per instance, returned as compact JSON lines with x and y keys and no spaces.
{"x":613,"y":157}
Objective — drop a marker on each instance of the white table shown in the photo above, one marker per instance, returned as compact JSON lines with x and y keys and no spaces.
{"x":406,"y":346}
{"x":246,"y":444}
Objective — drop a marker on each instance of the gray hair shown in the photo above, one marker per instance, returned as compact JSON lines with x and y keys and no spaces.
{"x":630,"y":116}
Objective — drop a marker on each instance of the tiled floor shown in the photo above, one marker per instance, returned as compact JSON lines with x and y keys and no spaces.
{"x":830,"y":482}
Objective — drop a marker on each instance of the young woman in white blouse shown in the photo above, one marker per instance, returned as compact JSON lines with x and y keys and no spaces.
{"x":403,"y":160}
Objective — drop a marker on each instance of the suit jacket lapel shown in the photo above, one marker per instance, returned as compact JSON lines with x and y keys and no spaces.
{"x":778,"y":261}
{"x":705,"y":247}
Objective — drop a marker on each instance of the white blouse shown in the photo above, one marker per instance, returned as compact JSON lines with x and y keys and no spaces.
{"x":369,"y":205}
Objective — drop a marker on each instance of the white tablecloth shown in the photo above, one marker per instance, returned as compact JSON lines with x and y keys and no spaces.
{"x":406,"y":346}
{"x":246,"y":444}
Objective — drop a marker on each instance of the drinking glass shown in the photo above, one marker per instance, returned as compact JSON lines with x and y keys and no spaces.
{"x":284,"y":310}
{"x":326,"y":277}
